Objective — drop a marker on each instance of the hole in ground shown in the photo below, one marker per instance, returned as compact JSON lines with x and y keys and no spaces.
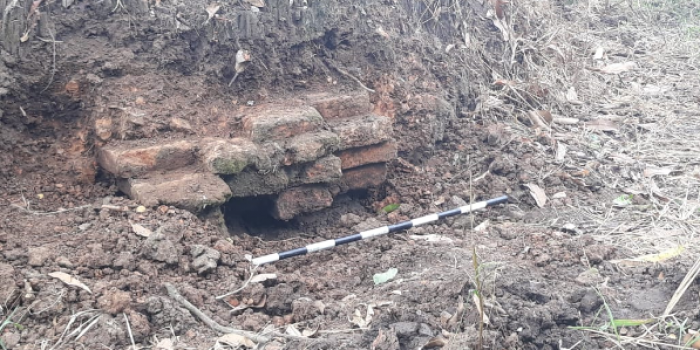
{"x":252,"y":215}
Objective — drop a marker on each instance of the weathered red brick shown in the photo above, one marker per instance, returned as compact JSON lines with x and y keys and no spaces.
{"x":132,"y":159}
{"x":354,"y":157}
{"x":254,"y":183}
{"x":366,"y":176}
{"x":365,"y":131}
{"x":282,"y":122}
{"x":189,"y":191}
{"x":229,"y":156}
{"x":326,"y":170}
{"x":302,"y":199}
{"x":344,"y":106}
{"x":310,"y":146}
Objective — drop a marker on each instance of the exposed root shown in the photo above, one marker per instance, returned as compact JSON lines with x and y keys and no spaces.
{"x":175,"y":295}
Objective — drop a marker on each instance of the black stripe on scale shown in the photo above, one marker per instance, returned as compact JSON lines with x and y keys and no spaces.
{"x":447,"y":214}
{"x":400,"y":226}
{"x":498,"y":200}
{"x":348,"y":239}
{"x":293,"y":252}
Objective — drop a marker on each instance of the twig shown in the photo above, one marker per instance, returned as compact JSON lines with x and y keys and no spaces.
{"x":252,"y":274}
{"x":174,"y":294}
{"x":114,"y":207}
{"x":343,"y":72}
{"x":53,"y":70}
{"x":49,"y":212}
{"x":128,"y":328}
{"x":687,"y":281}
{"x":233,"y":79}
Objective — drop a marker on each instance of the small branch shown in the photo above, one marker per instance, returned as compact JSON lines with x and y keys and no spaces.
{"x":128,"y":327}
{"x":53,"y":70}
{"x":49,"y":212}
{"x":343,"y":72}
{"x":175,"y":295}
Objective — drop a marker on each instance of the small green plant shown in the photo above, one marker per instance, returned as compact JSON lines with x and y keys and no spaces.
{"x":391,"y":207}
{"x":612,"y":321}
{"x":8,"y":321}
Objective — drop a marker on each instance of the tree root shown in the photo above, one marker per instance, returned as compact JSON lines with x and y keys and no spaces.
{"x":175,"y":295}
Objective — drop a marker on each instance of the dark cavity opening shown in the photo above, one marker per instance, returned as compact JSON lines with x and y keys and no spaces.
{"x":253,"y":215}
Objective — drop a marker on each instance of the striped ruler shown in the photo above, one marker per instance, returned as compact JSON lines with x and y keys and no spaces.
{"x":312,"y":248}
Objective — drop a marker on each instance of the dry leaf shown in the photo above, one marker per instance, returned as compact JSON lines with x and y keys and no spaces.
{"x":602,"y":125}
{"x":617,"y":68}
{"x":559,"y":195}
{"x":212,"y":10}
{"x":363,"y":322}
{"x":308,"y":333}
{"x":457,"y":316}
{"x":545,"y":115}
{"x":538,"y":194}
{"x":382,"y":33}
{"x":70,"y":280}
{"x":561,"y":151}
{"x":599,"y":52}
{"x":165,"y":344}
{"x":293,"y":331}
{"x":565,"y":120}
{"x":236,"y":340}
{"x":431,"y":238}
{"x":503,"y":27}
{"x":650,"y":171}
{"x":263,"y":277}
{"x":435,"y":343}
{"x":242,"y":58}
{"x":256,"y":3}
{"x":572,"y":96}
{"x":504,"y":82}
{"x":482,"y":226}
{"x":477,"y":302}
{"x":537,"y":120}
{"x":140,"y":230}
{"x":651,"y":258}
{"x":649,"y":126}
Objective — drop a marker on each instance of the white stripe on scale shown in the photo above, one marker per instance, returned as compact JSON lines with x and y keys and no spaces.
{"x":266,"y":259}
{"x":375,"y":232}
{"x":320,"y":246}
{"x":476,"y":206}
{"x":424,"y":220}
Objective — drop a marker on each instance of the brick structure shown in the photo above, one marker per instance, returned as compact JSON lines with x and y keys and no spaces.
{"x":301,"y":153}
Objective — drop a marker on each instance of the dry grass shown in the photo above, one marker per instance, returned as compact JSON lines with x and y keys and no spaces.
{"x":652,"y":110}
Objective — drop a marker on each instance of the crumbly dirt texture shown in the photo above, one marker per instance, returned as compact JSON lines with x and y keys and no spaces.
{"x":584,"y":113}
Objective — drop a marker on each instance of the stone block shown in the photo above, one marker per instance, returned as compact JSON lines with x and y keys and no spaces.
{"x":254,"y":183}
{"x":332,"y":106}
{"x":282,"y":122}
{"x":302,"y":199}
{"x":230,"y":156}
{"x":366,"y":176}
{"x":189,"y":191}
{"x":365,"y":131}
{"x":310,"y":146}
{"x":132,"y":159}
{"x":354,"y":157}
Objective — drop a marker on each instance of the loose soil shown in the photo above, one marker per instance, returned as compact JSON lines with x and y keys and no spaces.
{"x":543,"y":271}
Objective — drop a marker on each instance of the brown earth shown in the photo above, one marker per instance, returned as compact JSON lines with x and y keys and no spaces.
{"x":94,"y":74}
